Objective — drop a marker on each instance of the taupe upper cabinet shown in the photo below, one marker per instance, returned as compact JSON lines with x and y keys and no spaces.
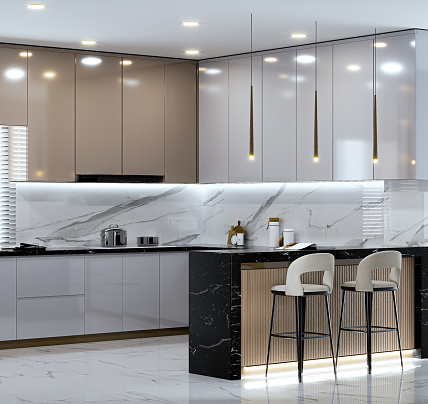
{"x":180,"y":122}
{"x":143,"y":117}
{"x":51,"y":153}
{"x":13,"y":86}
{"x":98,"y":114}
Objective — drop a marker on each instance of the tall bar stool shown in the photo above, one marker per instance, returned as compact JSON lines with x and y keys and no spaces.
{"x":294,"y":287}
{"x":364,"y":283}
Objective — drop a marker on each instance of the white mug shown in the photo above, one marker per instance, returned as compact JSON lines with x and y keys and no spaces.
{"x":240,"y":238}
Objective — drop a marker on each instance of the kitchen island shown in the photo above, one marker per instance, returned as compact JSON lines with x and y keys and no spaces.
{"x":218,"y":283}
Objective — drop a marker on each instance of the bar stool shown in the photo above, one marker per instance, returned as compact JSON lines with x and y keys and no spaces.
{"x":364,"y":283}
{"x":294,"y":287}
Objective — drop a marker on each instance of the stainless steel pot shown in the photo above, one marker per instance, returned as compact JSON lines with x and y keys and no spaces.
{"x":113,"y":236}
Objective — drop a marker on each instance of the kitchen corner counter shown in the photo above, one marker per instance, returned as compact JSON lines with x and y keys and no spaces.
{"x":215,"y":300}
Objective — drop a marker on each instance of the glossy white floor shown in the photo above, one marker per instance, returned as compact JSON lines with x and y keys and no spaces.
{"x":155,"y":370}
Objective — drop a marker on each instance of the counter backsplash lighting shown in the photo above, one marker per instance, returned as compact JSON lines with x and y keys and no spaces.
{"x":371,"y":213}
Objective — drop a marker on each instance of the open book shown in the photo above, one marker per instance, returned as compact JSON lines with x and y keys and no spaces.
{"x":297,"y":246}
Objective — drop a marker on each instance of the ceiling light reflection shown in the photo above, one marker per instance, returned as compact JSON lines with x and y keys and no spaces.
{"x":283,"y":76}
{"x":413,"y":43}
{"x":391,"y":67}
{"x":88,"y":42}
{"x":35,"y":6}
{"x":25,"y":54}
{"x":192,"y":52}
{"x":271,"y":60}
{"x":213,"y":71}
{"x":190,"y":23}
{"x":14,"y":74}
{"x":298,"y":35}
{"x":126,"y":62}
{"x":305,"y":59}
{"x":91,"y":61}
{"x":380,"y":45}
{"x":353,"y":68}
{"x":49,"y":75}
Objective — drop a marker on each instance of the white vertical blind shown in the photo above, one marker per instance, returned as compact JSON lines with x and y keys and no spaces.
{"x":373,"y":209}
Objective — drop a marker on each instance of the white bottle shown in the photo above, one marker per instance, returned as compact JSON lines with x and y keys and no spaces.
{"x":273,"y":227}
{"x":288,"y":236}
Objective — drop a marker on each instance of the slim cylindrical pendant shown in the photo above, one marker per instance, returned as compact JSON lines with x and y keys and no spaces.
{"x":375,"y":156}
{"x":316,"y":128}
{"x":251,"y":125}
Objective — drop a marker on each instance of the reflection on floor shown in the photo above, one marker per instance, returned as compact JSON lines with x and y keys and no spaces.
{"x":155,"y":370}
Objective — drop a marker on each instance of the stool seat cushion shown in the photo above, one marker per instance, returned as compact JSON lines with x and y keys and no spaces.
{"x":378,"y":286}
{"x":307,"y":289}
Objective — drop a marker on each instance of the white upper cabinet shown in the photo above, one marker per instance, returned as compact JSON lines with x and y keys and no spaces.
{"x":307,"y":168}
{"x":395,"y":89}
{"x":353,"y":111}
{"x":241,"y":168}
{"x":279,"y":116}
{"x":213,"y":122}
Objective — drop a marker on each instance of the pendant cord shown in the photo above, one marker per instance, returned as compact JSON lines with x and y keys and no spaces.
{"x":251,"y":29}
{"x":316,"y":55}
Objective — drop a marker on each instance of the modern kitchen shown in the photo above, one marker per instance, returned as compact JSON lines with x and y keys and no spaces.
{"x":163,"y":182}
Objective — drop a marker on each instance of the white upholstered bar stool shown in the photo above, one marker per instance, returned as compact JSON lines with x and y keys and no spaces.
{"x":364,"y":284}
{"x":294,"y":287}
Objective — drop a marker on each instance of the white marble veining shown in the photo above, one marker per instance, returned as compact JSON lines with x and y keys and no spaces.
{"x":371,"y":213}
{"x":155,"y":370}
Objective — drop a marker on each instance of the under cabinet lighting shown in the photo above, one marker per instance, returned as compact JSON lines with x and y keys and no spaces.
{"x":192,"y":52}
{"x":298,"y":35}
{"x":190,"y":23}
{"x":35,"y":6}
{"x":25,"y":54}
{"x":88,"y":42}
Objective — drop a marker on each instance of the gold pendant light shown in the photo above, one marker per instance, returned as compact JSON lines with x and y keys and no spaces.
{"x":251,"y":156}
{"x":375,"y":155}
{"x":316,"y":96}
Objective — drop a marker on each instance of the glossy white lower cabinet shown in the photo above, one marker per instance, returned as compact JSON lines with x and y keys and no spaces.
{"x":50,"y":316}
{"x":103,"y":294}
{"x":174,"y":290}
{"x":8,"y":299}
{"x":140,"y":292}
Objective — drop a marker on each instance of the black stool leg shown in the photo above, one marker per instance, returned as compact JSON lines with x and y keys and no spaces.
{"x":340,"y":326}
{"x":369,"y":314}
{"x":299,"y":332}
{"x":329,"y":331}
{"x":398,"y":328}
{"x":270,"y":335}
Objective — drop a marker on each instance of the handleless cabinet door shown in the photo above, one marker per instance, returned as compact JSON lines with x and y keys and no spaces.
{"x":13,"y":86}
{"x":279,"y":117}
{"x":143,"y":117}
{"x":353,"y":111}
{"x":98,"y":114}
{"x":51,"y":120}
{"x":307,"y":168}
{"x":180,"y":122}
{"x":395,"y":94}
{"x":213,"y":122}
{"x":8,"y":299}
{"x":241,"y":168}
{"x":140,"y":292}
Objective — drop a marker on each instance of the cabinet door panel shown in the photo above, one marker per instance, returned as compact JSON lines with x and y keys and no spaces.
{"x":279,"y":117}
{"x":353,"y":111}
{"x":51,"y":152}
{"x":143,"y":117}
{"x":307,"y":168}
{"x":241,"y":168}
{"x":98,"y":114}
{"x":13,"y":86}
{"x":140,"y":292}
{"x":180,"y":121}
{"x":174,"y":290}
{"x":213,"y":122}
{"x":103,"y":294}
{"x":8,"y":299}
{"x":395,"y":89}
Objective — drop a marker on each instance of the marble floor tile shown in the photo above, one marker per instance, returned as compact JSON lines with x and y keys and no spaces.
{"x":155,"y":370}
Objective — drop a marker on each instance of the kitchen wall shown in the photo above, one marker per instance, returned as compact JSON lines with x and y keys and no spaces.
{"x":373,"y":213}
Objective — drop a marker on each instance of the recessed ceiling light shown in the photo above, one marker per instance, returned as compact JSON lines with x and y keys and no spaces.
{"x":353,"y":68}
{"x":126,"y":62}
{"x":190,"y":23}
{"x":380,"y":45}
{"x":91,"y":61}
{"x":88,"y":42}
{"x":25,"y":54}
{"x":305,"y":59}
{"x":35,"y":6}
{"x":271,"y":60}
{"x":298,"y":35}
{"x":192,"y":52}
{"x":49,"y":75}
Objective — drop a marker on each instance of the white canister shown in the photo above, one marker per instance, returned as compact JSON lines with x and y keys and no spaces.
{"x":288,"y":236}
{"x":273,"y":226}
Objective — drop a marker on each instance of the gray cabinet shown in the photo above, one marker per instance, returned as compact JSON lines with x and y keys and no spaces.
{"x":174,"y":290}
{"x":180,"y":122}
{"x":13,"y":86}
{"x":241,"y":168}
{"x":103,"y":294}
{"x":140,"y":292}
{"x":51,"y":118}
{"x":143,"y":117}
{"x":98,"y":114}
{"x":213,"y":122}
{"x":279,"y":116}
{"x":8,"y":299}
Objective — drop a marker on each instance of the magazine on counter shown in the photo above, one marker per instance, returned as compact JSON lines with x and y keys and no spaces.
{"x":297,"y":246}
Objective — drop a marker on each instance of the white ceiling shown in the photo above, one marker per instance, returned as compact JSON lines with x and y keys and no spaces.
{"x":153,"y":27}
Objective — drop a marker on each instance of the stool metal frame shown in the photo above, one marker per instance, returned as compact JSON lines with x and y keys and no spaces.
{"x":294,"y":287}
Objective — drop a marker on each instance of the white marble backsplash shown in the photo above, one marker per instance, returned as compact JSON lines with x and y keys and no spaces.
{"x":372,"y":213}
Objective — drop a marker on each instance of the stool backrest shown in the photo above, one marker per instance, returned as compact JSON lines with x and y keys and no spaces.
{"x":384,"y":259}
{"x":309,"y":263}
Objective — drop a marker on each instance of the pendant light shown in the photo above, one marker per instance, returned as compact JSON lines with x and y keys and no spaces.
{"x":251,"y":156}
{"x":375,"y":156}
{"x":316,"y":96}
